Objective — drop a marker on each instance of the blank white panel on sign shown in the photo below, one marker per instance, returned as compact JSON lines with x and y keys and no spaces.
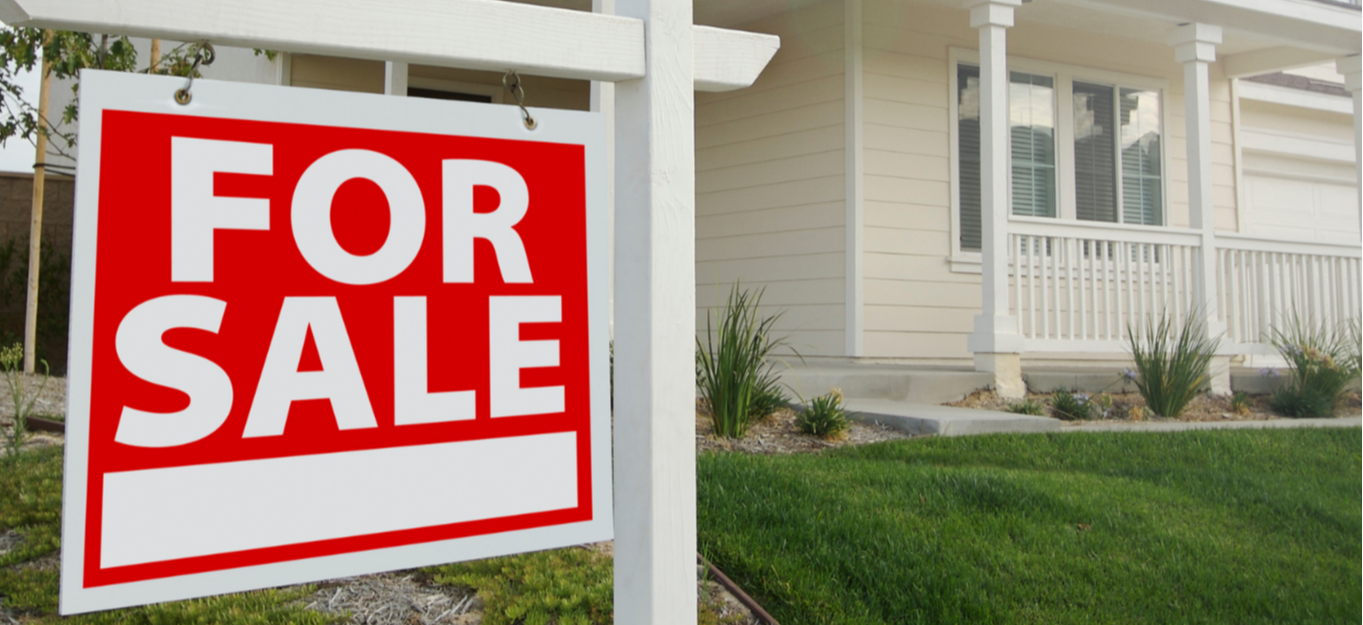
{"x":164,"y":514}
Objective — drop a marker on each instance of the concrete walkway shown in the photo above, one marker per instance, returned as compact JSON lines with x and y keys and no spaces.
{"x":922,"y":418}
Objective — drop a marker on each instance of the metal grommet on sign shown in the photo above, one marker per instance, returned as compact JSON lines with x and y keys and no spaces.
{"x":512,"y":82}
{"x":204,"y":55}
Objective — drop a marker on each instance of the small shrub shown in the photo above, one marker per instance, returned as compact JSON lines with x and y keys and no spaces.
{"x":1321,"y":361}
{"x":733,"y":367}
{"x":1069,"y":406}
{"x":1239,"y":403}
{"x":1172,"y":364}
{"x":1028,"y":407}
{"x":12,"y":360}
{"x":824,"y":416}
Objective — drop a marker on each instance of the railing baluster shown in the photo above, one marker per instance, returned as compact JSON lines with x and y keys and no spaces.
{"x":1031,"y":284}
{"x":1045,"y":244}
{"x":1107,"y":289}
{"x":1069,"y":284}
{"x":1084,"y":291}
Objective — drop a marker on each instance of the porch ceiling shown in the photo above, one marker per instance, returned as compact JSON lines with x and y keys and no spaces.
{"x":1329,"y":30}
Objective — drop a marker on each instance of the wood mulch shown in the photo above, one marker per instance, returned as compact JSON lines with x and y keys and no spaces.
{"x":779,"y":433}
{"x":1131,"y":407}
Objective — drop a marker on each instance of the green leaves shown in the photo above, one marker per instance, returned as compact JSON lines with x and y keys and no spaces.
{"x":1171,"y":363}
{"x":1323,"y":361}
{"x":733,"y":367}
{"x":824,"y":416}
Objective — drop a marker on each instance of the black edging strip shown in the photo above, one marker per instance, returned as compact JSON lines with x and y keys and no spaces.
{"x":46,"y":425}
{"x":738,"y":593}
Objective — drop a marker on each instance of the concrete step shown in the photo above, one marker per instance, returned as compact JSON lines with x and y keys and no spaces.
{"x":924,"y":418}
{"x":898,"y":383}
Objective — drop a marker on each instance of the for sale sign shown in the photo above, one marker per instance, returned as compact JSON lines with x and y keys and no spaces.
{"x":318,"y":334}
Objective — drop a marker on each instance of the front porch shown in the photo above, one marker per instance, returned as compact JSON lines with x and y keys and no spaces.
{"x":1082,"y":286}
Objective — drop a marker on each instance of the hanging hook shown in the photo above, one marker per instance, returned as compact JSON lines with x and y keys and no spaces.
{"x":512,"y":81}
{"x":203,"y":54}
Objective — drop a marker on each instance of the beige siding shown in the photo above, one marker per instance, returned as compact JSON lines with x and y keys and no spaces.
{"x":559,"y":93}
{"x":770,"y":206}
{"x":329,"y":72}
{"x":917,"y":307}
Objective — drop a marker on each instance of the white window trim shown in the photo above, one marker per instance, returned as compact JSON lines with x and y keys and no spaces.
{"x":456,"y":86}
{"x":965,"y":261}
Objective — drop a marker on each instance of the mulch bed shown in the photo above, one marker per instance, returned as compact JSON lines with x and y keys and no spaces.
{"x":1205,"y":407}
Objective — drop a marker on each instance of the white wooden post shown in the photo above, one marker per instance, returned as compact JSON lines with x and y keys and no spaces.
{"x":655,"y":329}
{"x":603,"y":102}
{"x":1352,"y":68}
{"x":1195,"y":47}
{"x":996,"y":344}
{"x":395,"y":78}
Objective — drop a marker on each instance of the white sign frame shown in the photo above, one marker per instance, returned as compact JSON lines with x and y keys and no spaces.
{"x":102,"y":91}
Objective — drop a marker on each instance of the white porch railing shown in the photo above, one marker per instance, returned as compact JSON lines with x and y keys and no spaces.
{"x":1262,"y":283}
{"x":1078,"y":286}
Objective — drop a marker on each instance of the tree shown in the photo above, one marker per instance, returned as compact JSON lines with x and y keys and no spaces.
{"x":21,"y":49}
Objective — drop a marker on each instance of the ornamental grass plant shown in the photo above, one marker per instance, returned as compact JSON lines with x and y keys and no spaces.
{"x":735,"y":369}
{"x":1322,"y":362}
{"x":1172,"y":362}
{"x":1071,"y":406}
{"x":824,"y":416}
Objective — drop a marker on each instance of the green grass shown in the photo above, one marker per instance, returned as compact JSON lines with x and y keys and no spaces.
{"x":1194,"y":527}
{"x":30,"y":502}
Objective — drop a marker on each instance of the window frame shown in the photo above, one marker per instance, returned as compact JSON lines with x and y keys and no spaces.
{"x":968,"y":261}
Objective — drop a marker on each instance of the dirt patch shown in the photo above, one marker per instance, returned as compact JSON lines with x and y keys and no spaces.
{"x":1131,"y":407}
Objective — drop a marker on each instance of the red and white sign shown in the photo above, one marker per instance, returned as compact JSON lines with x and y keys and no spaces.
{"x":318,"y":334}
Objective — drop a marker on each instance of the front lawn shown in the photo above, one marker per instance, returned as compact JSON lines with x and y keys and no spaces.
{"x":1247,"y":526}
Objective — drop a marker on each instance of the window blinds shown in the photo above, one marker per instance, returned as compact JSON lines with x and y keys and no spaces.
{"x":1095,"y":154}
{"x":968,"y":153}
{"x":1142,"y":193}
{"x":1031,"y":126}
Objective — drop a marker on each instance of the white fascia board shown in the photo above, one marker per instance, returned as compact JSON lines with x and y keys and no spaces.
{"x":1295,"y":97}
{"x":1296,"y":145}
{"x":1304,"y":24}
{"x":470,"y":34}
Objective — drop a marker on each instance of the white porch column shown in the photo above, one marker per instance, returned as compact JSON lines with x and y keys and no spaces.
{"x":1352,"y":68}
{"x":655,"y":328}
{"x":1195,"y":47}
{"x":996,"y":344}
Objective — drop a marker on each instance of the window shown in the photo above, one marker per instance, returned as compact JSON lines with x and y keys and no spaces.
{"x":1107,"y":133}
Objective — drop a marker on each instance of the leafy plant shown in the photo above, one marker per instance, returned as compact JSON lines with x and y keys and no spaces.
{"x":11,"y":359}
{"x":824,"y":416}
{"x":770,"y":396}
{"x":564,"y":586}
{"x":1322,"y":362}
{"x":1239,"y":403}
{"x":54,"y":303}
{"x":734,"y":368}
{"x":1171,"y":363}
{"x":1030,"y":407}
{"x":1069,"y":406}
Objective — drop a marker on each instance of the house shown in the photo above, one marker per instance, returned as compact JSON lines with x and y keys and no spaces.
{"x":1002,"y":184}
